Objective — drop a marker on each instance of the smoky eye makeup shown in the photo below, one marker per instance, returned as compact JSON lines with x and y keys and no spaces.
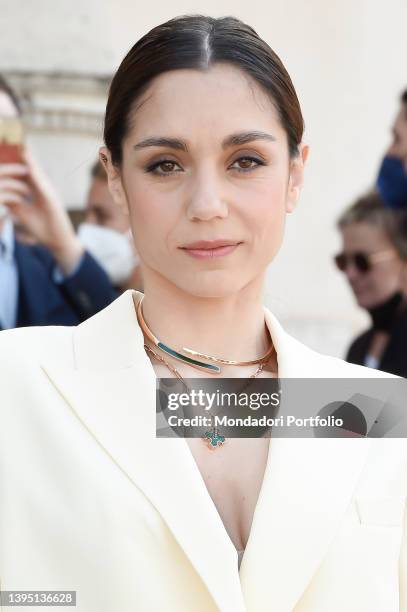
{"x":250,"y":161}
{"x":162,"y":167}
{"x":242,"y":164}
{"x":247,"y":163}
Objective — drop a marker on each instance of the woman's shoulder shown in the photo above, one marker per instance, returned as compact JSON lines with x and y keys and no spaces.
{"x":22,"y":355}
{"x":27,"y":345}
{"x":102,"y":335}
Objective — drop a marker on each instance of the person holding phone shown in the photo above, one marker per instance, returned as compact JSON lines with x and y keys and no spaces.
{"x":374,"y":260}
{"x":46,"y":275}
{"x":204,"y":149}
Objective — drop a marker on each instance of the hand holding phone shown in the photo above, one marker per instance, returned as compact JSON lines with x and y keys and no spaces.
{"x":13,"y":188}
{"x":34,"y":205}
{"x":11,"y":140}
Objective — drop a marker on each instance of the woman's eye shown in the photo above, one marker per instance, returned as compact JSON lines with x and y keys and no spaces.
{"x":248,"y":163}
{"x":162,"y":168}
{"x":167,"y":167}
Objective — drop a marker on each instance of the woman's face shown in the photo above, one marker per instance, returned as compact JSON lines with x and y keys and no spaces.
{"x":385,"y":277}
{"x":191,"y":173}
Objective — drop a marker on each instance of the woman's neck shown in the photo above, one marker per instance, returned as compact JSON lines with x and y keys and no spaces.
{"x":231,"y":327}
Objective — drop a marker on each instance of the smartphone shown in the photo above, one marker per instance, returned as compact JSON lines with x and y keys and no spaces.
{"x":11,"y":140}
{"x":11,"y":147}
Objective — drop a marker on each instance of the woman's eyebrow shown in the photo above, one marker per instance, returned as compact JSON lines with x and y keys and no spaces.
{"x":238,"y":138}
{"x":161,"y":141}
{"x":244,"y":137}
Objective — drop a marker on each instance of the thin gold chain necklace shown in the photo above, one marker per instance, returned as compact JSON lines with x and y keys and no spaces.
{"x":212,"y":438}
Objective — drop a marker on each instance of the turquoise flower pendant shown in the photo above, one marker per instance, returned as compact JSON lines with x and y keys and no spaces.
{"x":213,"y":439}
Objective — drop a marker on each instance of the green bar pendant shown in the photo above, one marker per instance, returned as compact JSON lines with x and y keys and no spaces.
{"x":170,"y":351}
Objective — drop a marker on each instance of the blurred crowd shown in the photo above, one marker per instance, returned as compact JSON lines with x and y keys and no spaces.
{"x":374,"y":258}
{"x":52,"y":273}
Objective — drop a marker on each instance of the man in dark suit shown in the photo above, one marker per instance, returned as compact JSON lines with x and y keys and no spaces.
{"x":49,"y":278}
{"x":39,"y":296}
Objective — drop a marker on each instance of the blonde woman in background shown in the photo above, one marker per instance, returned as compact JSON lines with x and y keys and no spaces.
{"x":374,"y":259}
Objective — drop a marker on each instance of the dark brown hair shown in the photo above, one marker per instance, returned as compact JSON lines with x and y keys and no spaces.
{"x":370,"y":208}
{"x":199,"y":42}
{"x":5,"y":88}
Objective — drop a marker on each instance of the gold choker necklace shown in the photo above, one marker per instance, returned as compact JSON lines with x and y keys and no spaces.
{"x":199,"y":365}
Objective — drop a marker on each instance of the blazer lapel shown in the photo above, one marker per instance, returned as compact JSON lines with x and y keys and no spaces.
{"x":307,"y":486}
{"x":112,"y":392}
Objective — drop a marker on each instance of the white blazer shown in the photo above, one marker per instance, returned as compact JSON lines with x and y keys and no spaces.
{"x":91,"y":501}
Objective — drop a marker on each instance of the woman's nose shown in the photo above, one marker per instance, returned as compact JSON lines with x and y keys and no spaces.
{"x":351,"y":271}
{"x":207,"y":201}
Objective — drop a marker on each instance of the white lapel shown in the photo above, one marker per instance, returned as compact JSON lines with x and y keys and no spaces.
{"x":112,"y":392}
{"x":307,"y":487}
{"x":307,"y":484}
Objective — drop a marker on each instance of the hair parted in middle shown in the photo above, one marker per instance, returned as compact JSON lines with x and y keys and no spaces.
{"x":198,"y":42}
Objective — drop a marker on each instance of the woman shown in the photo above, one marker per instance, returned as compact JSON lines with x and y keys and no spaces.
{"x":374,"y":259}
{"x":204,"y":149}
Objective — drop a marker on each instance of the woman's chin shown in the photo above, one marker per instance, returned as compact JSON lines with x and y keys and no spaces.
{"x":366,"y":302}
{"x":205,"y":284}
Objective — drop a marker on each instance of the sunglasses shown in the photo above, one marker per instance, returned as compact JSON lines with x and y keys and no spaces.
{"x":363,"y":262}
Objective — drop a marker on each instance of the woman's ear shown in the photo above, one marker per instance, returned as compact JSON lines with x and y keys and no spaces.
{"x":296,"y":177}
{"x":114,"y":180}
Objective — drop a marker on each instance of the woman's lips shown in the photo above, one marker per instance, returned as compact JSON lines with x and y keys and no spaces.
{"x":210,"y":252}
